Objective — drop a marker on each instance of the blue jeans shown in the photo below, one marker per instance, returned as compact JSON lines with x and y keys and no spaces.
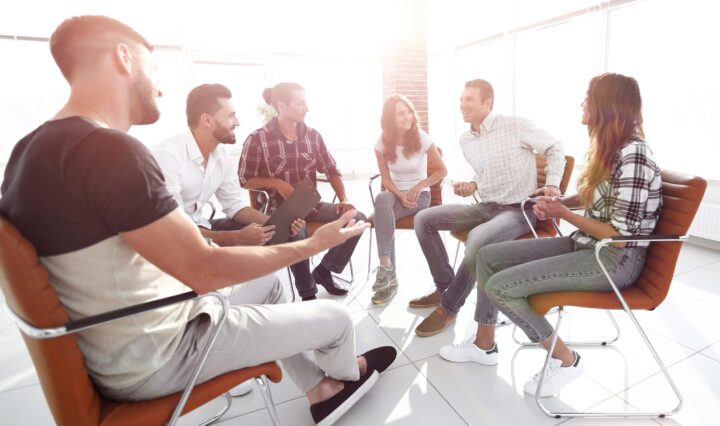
{"x":489,"y":223}
{"x":510,"y":272}
{"x":388,"y":209}
{"x":334,"y":260}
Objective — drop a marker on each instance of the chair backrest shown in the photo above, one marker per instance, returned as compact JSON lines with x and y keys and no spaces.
{"x":59,"y":363}
{"x":681,"y":195}
{"x":545,"y":226}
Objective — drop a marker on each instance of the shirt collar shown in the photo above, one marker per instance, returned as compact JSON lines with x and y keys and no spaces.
{"x":274,"y":132}
{"x":485,"y":125}
{"x":193,"y":150}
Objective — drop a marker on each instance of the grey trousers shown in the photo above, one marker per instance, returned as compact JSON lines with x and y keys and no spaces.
{"x":388,"y":209}
{"x":510,"y":272}
{"x":258,"y":330}
{"x":489,"y":223}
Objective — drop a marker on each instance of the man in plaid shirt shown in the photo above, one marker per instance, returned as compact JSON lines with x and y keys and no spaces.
{"x":280,"y":155}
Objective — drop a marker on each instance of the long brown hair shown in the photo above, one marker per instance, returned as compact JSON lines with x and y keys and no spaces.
{"x":615,"y":117}
{"x":411,"y":141}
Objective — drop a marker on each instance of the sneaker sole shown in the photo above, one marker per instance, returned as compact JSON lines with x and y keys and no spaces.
{"x":546,"y":394}
{"x":355,"y":397}
{"x":418,"y":306}
{"x":458,"y":360}
{"x":384,"y":287}
{"x":434,"y":332}
{"x":382,"y":302}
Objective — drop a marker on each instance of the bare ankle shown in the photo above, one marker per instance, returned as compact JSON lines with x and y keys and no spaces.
{"x":326,"y":389}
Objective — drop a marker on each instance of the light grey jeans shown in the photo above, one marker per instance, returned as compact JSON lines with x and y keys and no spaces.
{"x":510,"y":272}
{"x":259,"y":330}
{"x":489,"y":223}
{"x":388,"y":209}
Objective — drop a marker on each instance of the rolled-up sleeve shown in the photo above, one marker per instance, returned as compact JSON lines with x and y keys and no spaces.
{"x":545,"y":144}
{"x":630,"y":189}
{"x":249,"y":164}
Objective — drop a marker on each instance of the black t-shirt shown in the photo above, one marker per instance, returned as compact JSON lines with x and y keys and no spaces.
{"x":71,"y":184}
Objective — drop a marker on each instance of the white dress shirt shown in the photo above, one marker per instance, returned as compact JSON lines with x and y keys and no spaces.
{"x":192,"y":183}
{"x":503,"y":157}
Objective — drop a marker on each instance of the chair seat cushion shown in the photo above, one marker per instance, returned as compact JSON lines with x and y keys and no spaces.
{"x":634,"y":296}
{"x":158,"y":411}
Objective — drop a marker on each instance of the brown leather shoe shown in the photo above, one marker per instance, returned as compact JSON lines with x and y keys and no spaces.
{"x":428,"y":301}
{"x":438,"y":320}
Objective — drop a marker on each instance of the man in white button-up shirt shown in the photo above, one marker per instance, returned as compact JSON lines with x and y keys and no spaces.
{"x":196,"y":167}
{"x":501,"y":150}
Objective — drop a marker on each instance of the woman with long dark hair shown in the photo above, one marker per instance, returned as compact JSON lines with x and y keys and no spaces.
{"x":619,"y":189}
{"x":402,"y":154}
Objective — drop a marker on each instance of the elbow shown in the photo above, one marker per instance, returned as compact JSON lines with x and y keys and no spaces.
{"x":201,"y":275}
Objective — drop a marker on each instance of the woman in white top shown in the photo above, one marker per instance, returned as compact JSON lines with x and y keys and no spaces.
{"x":402,"y":154}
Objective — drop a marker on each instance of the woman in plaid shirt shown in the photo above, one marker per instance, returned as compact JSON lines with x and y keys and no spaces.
{"x":619,"y":188}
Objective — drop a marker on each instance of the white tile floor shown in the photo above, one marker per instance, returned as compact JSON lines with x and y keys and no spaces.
{"x":420,"y":388}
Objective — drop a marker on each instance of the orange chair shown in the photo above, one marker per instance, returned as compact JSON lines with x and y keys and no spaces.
{"x":33,"y":304}
{"x":409,"y":221}
{"x":543,"y":228}
{"x":682,"y":195}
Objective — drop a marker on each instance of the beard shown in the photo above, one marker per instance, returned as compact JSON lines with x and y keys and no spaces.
{"x":144,"y":100}
{"x":224,"y":136}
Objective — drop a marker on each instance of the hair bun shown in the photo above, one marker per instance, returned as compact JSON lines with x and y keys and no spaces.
{"x":266,"y":94}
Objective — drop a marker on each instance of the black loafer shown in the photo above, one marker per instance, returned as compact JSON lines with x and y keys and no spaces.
{"x":380,"y":358}
{"x":328,"y":283}
{"x":330,"y":410}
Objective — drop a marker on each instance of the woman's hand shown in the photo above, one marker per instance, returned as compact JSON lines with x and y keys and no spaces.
{"x":413,"y":193}
{"x":550,"y":208}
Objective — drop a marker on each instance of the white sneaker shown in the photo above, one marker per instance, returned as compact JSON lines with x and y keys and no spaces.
{"x":556,"y":377}
{"x":469,"y":352}
{"x":242,"y":389}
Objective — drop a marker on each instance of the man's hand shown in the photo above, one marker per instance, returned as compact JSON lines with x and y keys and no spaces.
{"x":464,"y":189}
{"x":343,"y":206}
{"x":550,"y":208}
{"x":285,"y":189}
{"x":548,"y":191}
{"x":338,"y":231}
{"x":254,"y":235}
{"x":296,"y":226}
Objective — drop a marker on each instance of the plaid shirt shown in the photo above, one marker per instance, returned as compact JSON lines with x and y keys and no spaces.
{"x":630,"y":200}
{"x":267,"y":153}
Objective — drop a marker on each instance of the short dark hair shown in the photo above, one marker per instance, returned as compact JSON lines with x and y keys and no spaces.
{"x":280,"y":92}
{"x":485,"y":87}
{"x":72,"y":39}
{"x":204,"y":100}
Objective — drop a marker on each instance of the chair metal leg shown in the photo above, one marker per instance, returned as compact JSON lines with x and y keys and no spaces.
{"x":267,"y":396}
{"x":292,"y":284}
{"x":216,"y":417}
{"x":457,"y":250}
{"x":369,"y":252}
{"x":578,"y":342}
{"x":206,"y":351}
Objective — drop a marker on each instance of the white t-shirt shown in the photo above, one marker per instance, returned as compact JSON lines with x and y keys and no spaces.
{"x":406,"y":172}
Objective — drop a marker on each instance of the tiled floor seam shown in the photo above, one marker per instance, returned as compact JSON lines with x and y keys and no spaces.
{"x":439,"y":393}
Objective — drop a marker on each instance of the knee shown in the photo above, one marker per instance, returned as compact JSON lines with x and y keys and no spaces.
{"x":360,"y":216}
{"x":493,"y":289}
{"x":336,"y":314}
{"x":278,"y":290}
{"x":423,"y":220}
{"x":384,"y":200}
